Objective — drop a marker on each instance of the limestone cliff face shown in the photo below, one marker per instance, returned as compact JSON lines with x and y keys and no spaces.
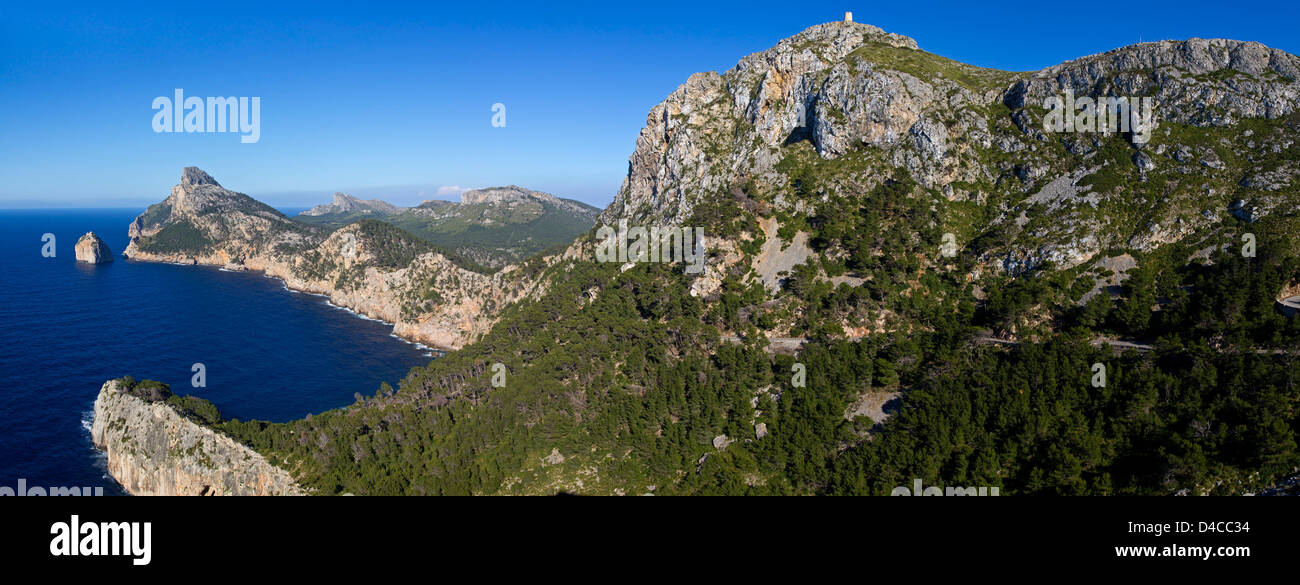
{"x":821,"y":84}
{"x":849,"y":99}
{"x":427,"y":297}
{"x":1261,"y":82}
{"x":92,"y":250}
{"x":153,"y":450}
{"x":847,"y":86}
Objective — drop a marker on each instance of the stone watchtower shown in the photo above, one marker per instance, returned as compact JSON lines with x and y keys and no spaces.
{"x":848,"y":17}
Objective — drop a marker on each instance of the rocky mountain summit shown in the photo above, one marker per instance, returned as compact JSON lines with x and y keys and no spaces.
{"x":227,"y":218}
{"x":92,"y":250}
{"x":843,"y":108}
{"x":347,"y":204}
{"x":843,"y":86}
{"x":517,"y":194}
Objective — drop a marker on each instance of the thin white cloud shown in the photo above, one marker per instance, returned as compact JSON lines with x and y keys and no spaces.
{"x":448,"y":190}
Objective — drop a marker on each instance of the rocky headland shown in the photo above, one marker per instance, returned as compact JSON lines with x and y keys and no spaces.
{"x":368,"y":267}
{"x":152,"y":449}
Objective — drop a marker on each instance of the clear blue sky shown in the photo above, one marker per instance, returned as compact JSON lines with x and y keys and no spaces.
{"x":395,"y":100}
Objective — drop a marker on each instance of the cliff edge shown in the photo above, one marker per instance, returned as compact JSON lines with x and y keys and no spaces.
{"x":153,"y":450}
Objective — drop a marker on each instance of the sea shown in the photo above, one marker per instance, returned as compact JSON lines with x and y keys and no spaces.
{"x":266,"y":352}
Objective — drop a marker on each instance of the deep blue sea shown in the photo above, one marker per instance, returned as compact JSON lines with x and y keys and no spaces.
{"x":65,"y":328}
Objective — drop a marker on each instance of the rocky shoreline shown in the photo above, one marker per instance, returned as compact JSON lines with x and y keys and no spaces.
{"x":379,"y":307}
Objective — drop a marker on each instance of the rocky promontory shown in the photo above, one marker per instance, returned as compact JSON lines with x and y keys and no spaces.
{"x":368,"y":267}
{"x":92,"y":250}
{"x":153,"y":449}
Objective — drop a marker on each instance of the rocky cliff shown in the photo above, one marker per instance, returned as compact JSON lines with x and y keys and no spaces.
{"x":92,"y":250}
{"x":379,"y":272}
{"x":827,"y":116}
{"x":154,"y":450}
{"x":846,"y":88}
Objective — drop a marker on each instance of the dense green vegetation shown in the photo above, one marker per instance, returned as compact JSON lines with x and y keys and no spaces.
{"x":156,"y":214}
{"x":385,"y":246}
{"x":481,"y":234}
{"x":512,"y":237}
{"x":928,"y":66}
{"x":632,"y":387}
{"x":198,"y":409}
{"x":178,"y":237}
{"x":390,"y":246}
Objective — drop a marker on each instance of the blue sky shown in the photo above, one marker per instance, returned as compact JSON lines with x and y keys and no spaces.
{"x":395,"y":100}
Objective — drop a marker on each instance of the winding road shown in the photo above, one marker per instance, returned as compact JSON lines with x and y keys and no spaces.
{"x":794,"y":343}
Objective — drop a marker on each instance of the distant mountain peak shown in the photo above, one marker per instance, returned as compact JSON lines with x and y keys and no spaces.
{"x":194,"y":176}
{"x":502,"y":194}
{"x":344,"y":203}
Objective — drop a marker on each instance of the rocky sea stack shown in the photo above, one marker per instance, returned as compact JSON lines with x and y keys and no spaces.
{"x":92,"y":250}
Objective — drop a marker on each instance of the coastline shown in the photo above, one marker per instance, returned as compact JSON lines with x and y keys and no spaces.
{"x":407,"y":332}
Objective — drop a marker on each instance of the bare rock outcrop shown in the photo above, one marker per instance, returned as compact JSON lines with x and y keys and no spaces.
{"x":849,"y":97}
{"x":92,"y":250}
{"x":154,"y":450}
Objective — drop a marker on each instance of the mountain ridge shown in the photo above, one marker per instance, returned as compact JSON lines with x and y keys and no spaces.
{"x":492,"y":227}
{"x":344,"y":203}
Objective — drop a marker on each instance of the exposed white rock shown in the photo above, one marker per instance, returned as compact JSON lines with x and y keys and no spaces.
{"x":153,"y":450}
{"x":92,"y":250}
